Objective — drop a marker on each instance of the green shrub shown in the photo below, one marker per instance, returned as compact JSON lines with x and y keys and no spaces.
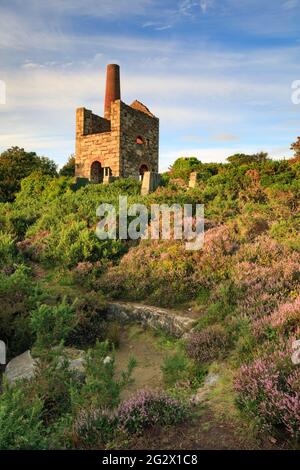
{"x":113,"y":334}
{"x":18,"y":296}
{"x":90,"y":323}
{"x":52,"y":324}
{"x":101,"y":387}
{"x":54,"y":384}
{"x":95,"y":427}
{"x":7,"y":251}
{"x":175,"y":369}
{"x":21,"y":424}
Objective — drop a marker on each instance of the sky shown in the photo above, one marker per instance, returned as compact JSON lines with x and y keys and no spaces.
{"x":218,"y":73}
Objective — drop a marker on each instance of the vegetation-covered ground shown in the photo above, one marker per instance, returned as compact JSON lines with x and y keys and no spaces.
{"x":242,"y":289}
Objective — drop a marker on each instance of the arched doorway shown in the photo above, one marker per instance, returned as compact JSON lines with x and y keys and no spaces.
{"x":142,"y":170}
{"x":96,"y":172}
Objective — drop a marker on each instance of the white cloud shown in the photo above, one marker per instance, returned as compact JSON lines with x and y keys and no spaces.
{"x":95,"y":8}
{"x":290,"y":4}
{"x":225,"y":137}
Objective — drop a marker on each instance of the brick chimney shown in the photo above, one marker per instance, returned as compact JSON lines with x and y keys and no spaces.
{"x":113,"y":91}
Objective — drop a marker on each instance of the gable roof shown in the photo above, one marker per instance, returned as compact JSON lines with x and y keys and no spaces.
{"x":141,"y":107}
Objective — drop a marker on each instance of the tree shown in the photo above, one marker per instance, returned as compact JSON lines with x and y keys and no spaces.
{"x":69,"y":168}
{"x":296,"y":148}
{"x":244,"y":159}
{"x":182,"y":167}
{"x":16,"y":164}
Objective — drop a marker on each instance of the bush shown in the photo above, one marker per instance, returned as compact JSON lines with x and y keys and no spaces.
{"x":101,"y":387}
{"x":54,"y":384}
{"x":175,"y":368}
{"x":94,"y":427}
{"x":52,"y":324}
{"x":113,"y":334}
{"x":89,"y":323}
{"x":208,"y":344}
{"x":183,"y":166}
{"x":16,"y":164}
{"x":269,"y":388}
{"x":21,"y":425}
{"x":149,"y":408}
{"x":18,"y":296}
{"x":7,"y":251}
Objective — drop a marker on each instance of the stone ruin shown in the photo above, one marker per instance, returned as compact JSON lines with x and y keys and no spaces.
{"x":123,"y":143}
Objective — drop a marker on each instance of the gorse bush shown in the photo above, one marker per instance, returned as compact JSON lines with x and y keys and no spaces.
{"x":7,"y":251}
{"x":89,"y":324}
{"x":175,"y":368}
{"x":21,"y":425}
{"x":52,"y":324}
{"x":101,"y":388}
{"x":18,"y":297}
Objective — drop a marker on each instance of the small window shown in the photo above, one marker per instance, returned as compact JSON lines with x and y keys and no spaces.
{"x":139,"y":140}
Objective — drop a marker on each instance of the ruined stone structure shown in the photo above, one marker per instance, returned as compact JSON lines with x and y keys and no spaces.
{"x":193,"y":180}
{"x":123,"y":143}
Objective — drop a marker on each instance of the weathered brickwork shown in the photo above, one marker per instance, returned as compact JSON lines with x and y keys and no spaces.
{"x":126,"y":144}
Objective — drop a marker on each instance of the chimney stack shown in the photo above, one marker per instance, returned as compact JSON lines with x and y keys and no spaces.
{"x":113,"y":91}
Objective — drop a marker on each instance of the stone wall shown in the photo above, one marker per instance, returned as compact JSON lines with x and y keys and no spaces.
{"x":136,"y":123}
{"x":193,"y":180}
{"x":151,"y":317}
{"x":150,"y":182}
{"x":102,"y":146}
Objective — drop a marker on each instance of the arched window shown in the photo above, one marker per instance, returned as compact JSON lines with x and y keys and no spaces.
{"x":96,"y":172}
{"x":139,"y":140}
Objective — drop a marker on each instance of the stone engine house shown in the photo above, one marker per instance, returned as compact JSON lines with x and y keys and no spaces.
{"x":123,"y":143}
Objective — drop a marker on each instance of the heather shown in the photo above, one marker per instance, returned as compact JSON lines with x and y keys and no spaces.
{"x":269,"y":389}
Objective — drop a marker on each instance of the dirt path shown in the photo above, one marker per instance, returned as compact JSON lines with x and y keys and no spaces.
{"x":141,"y":345}
{"x":204,"y":432}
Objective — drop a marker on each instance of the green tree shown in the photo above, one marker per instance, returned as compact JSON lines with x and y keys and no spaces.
{"x":244,"y":159}
{"x":183,"y":166}
{"x":69,"y":168}
{"x":16,"y":164}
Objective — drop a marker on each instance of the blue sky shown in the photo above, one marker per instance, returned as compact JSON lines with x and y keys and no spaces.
{"x":217,"y":73}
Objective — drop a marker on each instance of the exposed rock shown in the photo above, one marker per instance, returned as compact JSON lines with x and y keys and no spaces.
{"x":201,"y":394}
{"x":148,"y":316}
{"x":21,"y":367}
{"x":24,"y":366}
{"x":211,"y":379}
{"x":76,"y":359}
{"x":107,"y":360}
